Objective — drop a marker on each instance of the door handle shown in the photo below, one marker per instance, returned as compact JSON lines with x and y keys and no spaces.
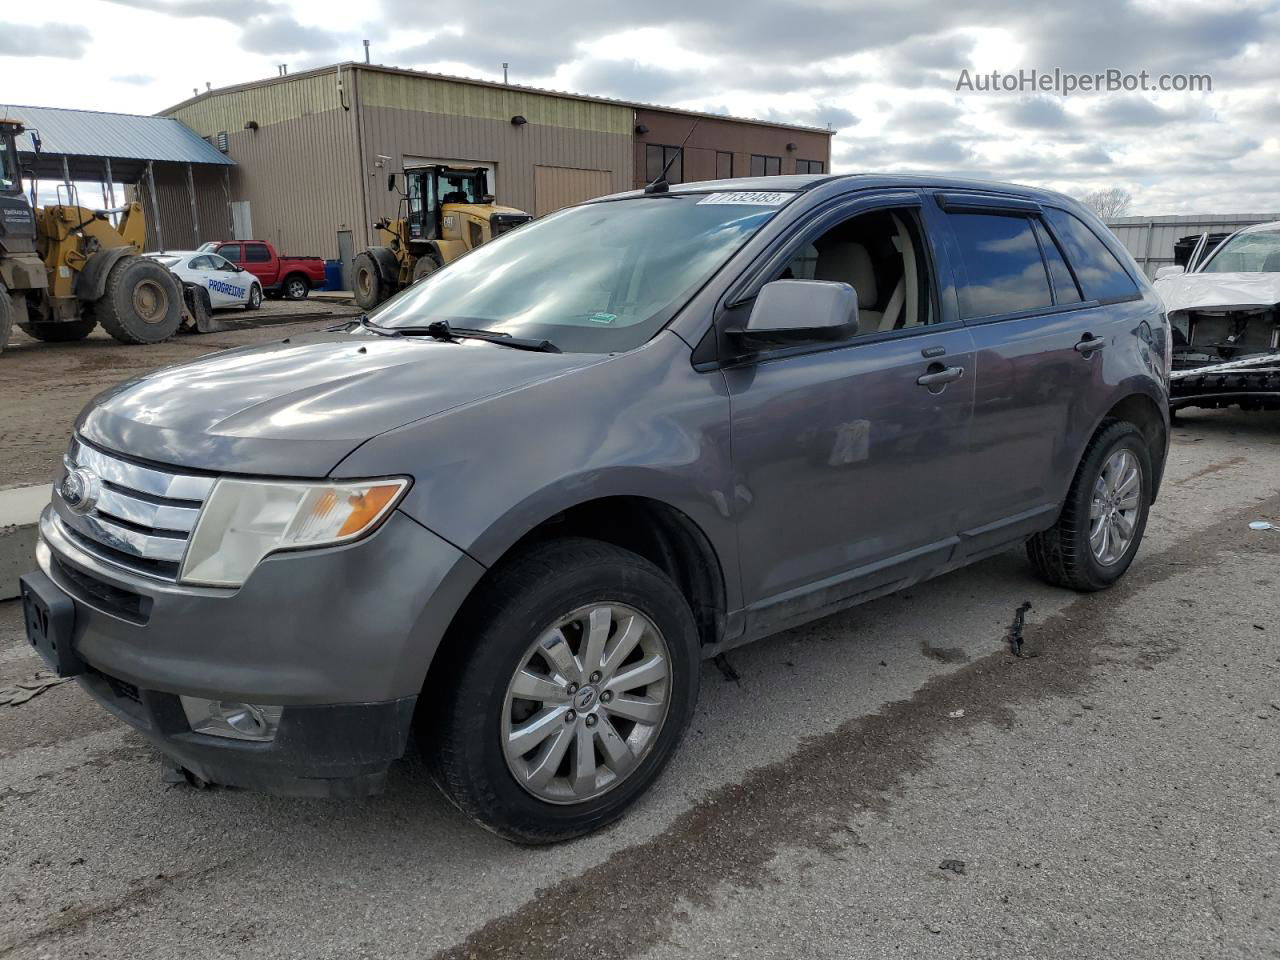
{"x":1089,"y":344}
{"x":939,"y":375}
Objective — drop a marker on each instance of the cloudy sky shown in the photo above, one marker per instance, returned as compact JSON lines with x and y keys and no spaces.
{"x":884,"y":75}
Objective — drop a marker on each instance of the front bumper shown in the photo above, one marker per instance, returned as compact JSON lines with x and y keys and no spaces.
{"x":341,"y":637}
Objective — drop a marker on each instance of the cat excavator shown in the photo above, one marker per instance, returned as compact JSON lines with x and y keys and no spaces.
{"x":444,"y":212}
{"x":64,"y":269}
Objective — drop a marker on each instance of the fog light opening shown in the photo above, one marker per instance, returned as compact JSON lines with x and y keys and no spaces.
{"x":229,"y":718}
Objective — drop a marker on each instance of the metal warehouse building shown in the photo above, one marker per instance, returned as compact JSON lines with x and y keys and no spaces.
{"x":1151,"y":240}
{"x":312,"y":150}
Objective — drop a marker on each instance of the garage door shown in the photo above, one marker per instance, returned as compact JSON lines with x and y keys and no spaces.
{"x":556,"y":187}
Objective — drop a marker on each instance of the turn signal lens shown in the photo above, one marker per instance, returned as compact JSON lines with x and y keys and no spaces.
{"x":244,"y":520}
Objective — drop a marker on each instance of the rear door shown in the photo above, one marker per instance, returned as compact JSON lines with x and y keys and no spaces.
{"x":850,"y":469}
{"x":1040,"y":388}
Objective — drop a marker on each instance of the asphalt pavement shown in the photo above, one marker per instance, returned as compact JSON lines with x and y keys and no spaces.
{"x":889,"y":782}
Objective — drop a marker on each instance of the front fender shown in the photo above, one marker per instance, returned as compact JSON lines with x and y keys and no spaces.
{"x":91,"y":282}
{"x":388,"y":265}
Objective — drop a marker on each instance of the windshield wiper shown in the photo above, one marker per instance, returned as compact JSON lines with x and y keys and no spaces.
{"x":441,"y":330}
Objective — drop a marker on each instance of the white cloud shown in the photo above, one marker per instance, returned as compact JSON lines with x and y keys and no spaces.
{"x":884,"y":76}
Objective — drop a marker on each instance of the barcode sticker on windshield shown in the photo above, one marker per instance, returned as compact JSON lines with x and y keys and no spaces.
{"x":755,"y":198}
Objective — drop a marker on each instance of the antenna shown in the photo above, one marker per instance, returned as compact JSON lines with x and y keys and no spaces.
{"x":660,"y":184}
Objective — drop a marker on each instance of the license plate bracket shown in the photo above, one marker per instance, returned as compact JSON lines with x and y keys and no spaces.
{"x":50,"y":617}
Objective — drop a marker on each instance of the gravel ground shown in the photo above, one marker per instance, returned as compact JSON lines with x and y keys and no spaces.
{"x":44,"y":385}
{"x":1112,"y":794}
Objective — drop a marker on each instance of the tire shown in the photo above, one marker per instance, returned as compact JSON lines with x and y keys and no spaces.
{"x":295,"y":287}
{"x":6,"y":317}
{"x":142,"y":302}
{"x":60,"y":331}
{"x":472,"y":711}
{"x":426,"y":265}
{"x":369,"y":288}
{"x":1066,"y":555}
{"x":255,"y":298}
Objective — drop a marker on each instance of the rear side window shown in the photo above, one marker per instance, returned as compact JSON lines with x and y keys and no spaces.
{"x":1100,"y":274}
{"x":256,"y":253}
{"x":1064,"y":285}
{"x":1002,"y":265}
{"x":231,"y":251}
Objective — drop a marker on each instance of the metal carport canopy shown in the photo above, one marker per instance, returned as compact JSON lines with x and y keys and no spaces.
{"x":87,"y":140}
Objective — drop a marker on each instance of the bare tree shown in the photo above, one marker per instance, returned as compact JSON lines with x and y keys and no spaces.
{"x":1108,"y":204}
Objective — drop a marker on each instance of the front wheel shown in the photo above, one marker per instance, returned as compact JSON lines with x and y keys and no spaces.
{"x":565,"y":692}
{"x":367,"y":282}
{"x":142,"y":302}
{"x":1105,"y":514}
{"x":255,"y":298}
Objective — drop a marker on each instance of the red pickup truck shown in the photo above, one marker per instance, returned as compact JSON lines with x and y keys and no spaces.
{"x":288,"y":277}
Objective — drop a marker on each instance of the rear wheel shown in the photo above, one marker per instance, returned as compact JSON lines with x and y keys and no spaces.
{"x":1104,"y":517}
{"x":427,"y":264}
{"x":569,"y":692}
{"x":369,"y":289}
{"x":64,"y":331}
{"x":142,"y":302}
{"x":296,"y":288}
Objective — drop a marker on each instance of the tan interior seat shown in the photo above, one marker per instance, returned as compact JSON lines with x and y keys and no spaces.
{"x":850,"y":263}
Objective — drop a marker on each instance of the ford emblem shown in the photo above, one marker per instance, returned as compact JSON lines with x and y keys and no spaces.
{"x":80,"y":489}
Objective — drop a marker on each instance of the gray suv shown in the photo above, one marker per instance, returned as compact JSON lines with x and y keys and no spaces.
{"x":514,"y":507}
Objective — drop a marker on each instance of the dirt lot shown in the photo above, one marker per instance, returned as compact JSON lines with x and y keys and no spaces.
{"x":44,"y":385}
{"x":1114,"y":794}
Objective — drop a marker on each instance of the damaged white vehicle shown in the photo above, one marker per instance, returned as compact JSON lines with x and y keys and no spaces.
{"x":1225,"y":313}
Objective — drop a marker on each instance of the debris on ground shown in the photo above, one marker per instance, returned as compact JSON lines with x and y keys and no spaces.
{"x":1262,"y":525}
{"x":1015,"y":629}
{"x":955,"y":866}
{"x":955,"y":714}
{"x":726,"y":668}
{"x":22,"y":691}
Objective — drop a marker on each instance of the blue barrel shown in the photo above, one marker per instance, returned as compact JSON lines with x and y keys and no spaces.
{"x":333,"y":274}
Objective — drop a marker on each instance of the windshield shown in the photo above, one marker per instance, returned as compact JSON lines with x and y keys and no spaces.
{"x":1247,"y":253}
{"x":208,"y":247}
{"x":8,"y":167}
{"x":599,"y":278}
{"x":167,"y":261}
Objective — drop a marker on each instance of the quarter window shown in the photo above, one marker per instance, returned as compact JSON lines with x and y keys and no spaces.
{"x":657,"y":156}
{"x":1003,"y":269}
{"x":1064,"y":285}
{"x":256,"y":253}
{"x":765,"y":166}
{"x":1100,"y":274}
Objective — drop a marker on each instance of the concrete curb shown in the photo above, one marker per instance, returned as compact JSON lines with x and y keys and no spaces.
{"x":19,"y":513}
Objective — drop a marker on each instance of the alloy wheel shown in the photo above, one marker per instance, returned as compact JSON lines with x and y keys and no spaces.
{"x":1113,"y":511}
{"x":586,"y":703}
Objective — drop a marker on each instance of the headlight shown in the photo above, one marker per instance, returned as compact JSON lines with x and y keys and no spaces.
{"x":244,"y":520}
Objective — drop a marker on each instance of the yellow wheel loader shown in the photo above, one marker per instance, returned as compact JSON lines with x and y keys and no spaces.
{"x":444,"y":212}
{"x":64,"y":269}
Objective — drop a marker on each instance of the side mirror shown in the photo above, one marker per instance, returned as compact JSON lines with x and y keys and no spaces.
{"x":36,"y":143}
{"x":1170,"y":270}
{"x":803,"y":310}
{"x":391,"y":182}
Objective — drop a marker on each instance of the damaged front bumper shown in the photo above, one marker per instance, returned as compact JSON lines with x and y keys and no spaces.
{"x":1251,"y":383}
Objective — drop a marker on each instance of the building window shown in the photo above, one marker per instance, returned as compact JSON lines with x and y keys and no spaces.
{"x":724,"y":165}
{"x":810,"y":166}
{"x":657,"y":157}
{"x":762,"y":166}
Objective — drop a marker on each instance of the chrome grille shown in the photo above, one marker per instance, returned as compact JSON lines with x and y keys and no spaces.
{"x":142,"y":516}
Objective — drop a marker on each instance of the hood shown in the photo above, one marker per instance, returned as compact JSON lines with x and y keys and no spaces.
{"x":1218,"y":291}
{"x":299,"y":406}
